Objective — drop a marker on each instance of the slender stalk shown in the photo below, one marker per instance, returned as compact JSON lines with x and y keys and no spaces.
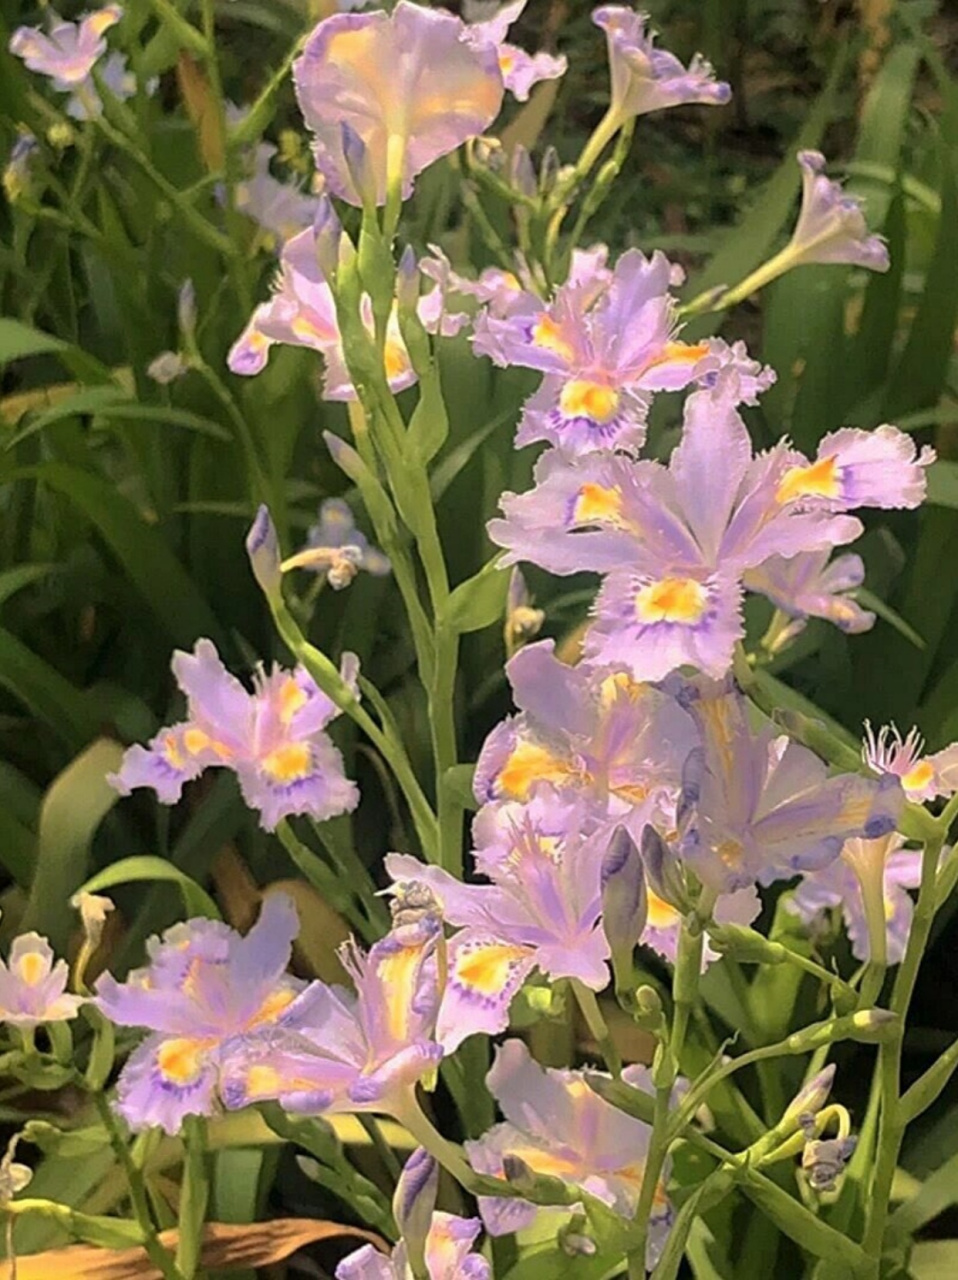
{"x":598,"y":1028}
{"x":414,"y":1119}
{"x":891,"y":1128}
{"x":161,"y":1258}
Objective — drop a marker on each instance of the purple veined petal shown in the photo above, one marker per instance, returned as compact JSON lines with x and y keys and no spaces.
{"x":164,"y":1081}
{"x":653,"y":626}
{"x":582,"y":415}
{"x":534,"y":1099}
{"x":519,"y":70}
{"x":216,"y":699}
{"x":709,"y":466}
{"x":366,"y":1263}
{"x":554,"y":693}
{"x":164,"y":766}
{"x":261,"y":957}
{"x":448,"y":1249}
{"x":500,"y":1215}
{"x":484,"y":975}
{"x":880,"y":468}
{"x":442,"y":91}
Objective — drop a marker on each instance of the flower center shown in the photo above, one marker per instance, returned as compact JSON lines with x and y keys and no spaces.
{"x":181,"y":1060}
{"x":818,"y":480}
{"x":288,"y":763}
{"x":583,"y":399}
{"x":681,"y":600}
{"x":527,"y":765}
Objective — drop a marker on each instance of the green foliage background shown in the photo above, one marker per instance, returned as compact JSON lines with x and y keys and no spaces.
{"x":123,"y":505}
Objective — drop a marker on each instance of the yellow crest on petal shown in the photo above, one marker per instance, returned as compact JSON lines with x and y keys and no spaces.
{"x":596,"y":504}
{"x":818,"y":480}
{"x":583,"y":399}
{"x":486,"y":969}
{"x":681,"y":600}
{"x":181,"y":1060}
{"x":33,"y":968}
{"x":289,"y":762}
{"x":527,"y":765}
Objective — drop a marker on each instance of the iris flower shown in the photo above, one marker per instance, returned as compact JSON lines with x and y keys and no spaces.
{"x":409,"y":83}
{"x":205,"y":988}
{"x":68,"y":54}
{"x":923,"y":777}
{"x":560,"y":1128}
{"x":32,"y":986}
{"x":273,"y":739}
{"x":520,"y":70}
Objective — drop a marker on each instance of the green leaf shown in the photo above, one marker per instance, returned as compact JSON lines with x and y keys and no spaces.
{"x":46,"y":693}
{"x":887,"y":614}
{"x":458,"y":781}
{"x":479,"y":601}
{"x":429,"y":425}
{"x":83,"y":403}
{"x":934,"y":1260}
{"x":166,"y":417}
{"x":72,"y":809}
{"x":20,"y":576}
{"x":146,"y":867}
{"x":884,"y":121}
{"x":142,"y":550}
{"x":921,"y":372}
{"x":19,"y":340}
{"x":459,"y":457}
{"x":943,"y":484}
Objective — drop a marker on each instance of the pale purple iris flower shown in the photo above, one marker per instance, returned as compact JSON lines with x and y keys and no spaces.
{"x":205,"y":989}
{"x":831,"y":226}
{"x":674,"y":542}
{"x":336,"y":549}
{"x":761,"y":807}
{"x":870,"y":877}
{"x":33,"y":986}
{"x":282,"y":209}
{"x":360,"y":1050}
{"x":541,"y":910}
{"x":444,"y":1241}
{"x":520,"y":70}
{"x":811,"y":585}
{"x":302,"y":312}
{"x":407,"y":82}
{"x":605,"y":344}
{"x":68,"y":54}
{"x":119,"y":80}
{"x":561,"y":1128}
{"x":272,"y":738}
{"x":595,"y":734}
{"x":645,"y":78}
{"x":923,"y":777}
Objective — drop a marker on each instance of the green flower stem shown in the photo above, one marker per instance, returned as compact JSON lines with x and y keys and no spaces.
{"x":252,"y":125}
{"x":324,"y":880}
{"x":261,"y":490}
{"x":390,"y":747}
{"x":161,"y":1258}
{"x":598,"y":1029}
{"x":194,"y":1196}
{"x":893,"y":1119}
{"x":688,"y":968}
{"x":184,"y":31}
{"x":602,"y":135}
{"x":196,"y":222}
{"x":412,"y":1117}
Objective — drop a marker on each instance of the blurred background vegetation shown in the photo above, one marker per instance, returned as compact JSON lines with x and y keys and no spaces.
{"x":123,"y":503}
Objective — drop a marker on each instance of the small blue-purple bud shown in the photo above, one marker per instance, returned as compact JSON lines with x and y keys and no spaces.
{"x":810,"y":1098}
{"x":625,"y":902}
{"x":356,"y":155}
{"x":328,"y":231}
{"x":415,"y":1200}
{"x":186,"y":309}
{"x":693,"y":772}
{"x":407,"y":280}
{"x":522,"y":176}
{"x":262,"y":547}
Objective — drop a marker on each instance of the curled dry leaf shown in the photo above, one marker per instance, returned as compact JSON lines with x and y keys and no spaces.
{"x":226,"y":1246}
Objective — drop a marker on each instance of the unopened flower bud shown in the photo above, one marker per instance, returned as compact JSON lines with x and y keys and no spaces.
{"x":625,"y":902}
{"x":810,"y":1098}
{"x":359,"y":164}
{"x":548,"y":170}
{"x":186,"y":309}
{"x":262,"y":547}
{"x":414,"y":1201}
{"x":522,"y":176}
{"x":488,"y":152}
{"x":61,"y":135}
{"x":407,"y":281}
{"x":523,"y":622}
{"x":328,"y":231}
